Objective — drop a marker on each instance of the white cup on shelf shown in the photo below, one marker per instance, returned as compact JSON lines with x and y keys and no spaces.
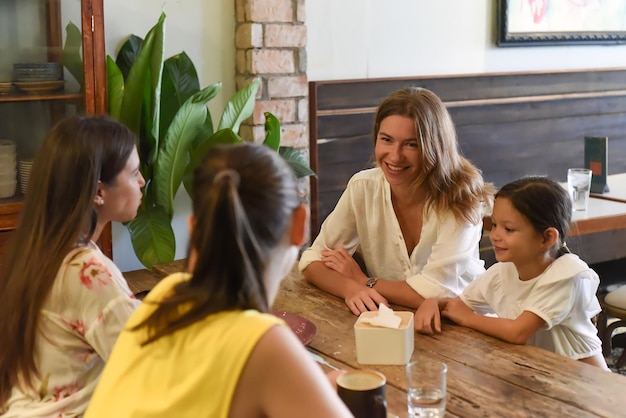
{"x":7,"y":147}
{"x":7,"y":188}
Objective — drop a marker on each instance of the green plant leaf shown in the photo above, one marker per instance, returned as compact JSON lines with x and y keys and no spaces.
{"x":205,"y":131}
{"x":142,"y":88}
{"x":115,"y":88}
{"x":239,"y":107}
{"x":272,"y":131}
{"x":180,"y":82}
{"x":222,"y":137}
{"x":70,"y":56}
{"x":169,"y":167}
{"x":152,"y":236}
{"x":207,"y":127}
{"x":297,"y":162}
{"x":128,"y":53}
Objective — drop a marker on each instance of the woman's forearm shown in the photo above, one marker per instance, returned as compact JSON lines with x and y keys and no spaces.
{"x":327,"y":279}
{"x":399,"y":292}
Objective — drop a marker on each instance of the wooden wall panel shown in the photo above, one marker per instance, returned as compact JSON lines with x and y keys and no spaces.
{"x":508,"y":124}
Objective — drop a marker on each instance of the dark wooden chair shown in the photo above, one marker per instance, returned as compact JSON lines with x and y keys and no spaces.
{"x":605,"y":330}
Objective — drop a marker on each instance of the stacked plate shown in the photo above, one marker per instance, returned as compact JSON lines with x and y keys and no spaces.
{"x":44,"y":71}
{"x":8,"y":181}
{"x":24,"y":169}
{"x":38,"y":78}
{"x":5,"y":88}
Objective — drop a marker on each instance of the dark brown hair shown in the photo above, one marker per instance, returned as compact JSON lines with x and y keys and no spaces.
{"x":450,"y":180}
{"x":243,"y":199}
{"x":58,"y":214}
{"x":544,"y":203}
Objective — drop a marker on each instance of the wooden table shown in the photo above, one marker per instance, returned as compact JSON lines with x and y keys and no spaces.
{"x":486,"y":377}
{"x":617,"y":188}
{"x":599,"y":234}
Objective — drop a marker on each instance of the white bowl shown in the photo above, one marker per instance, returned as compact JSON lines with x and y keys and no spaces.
{"x":7,"y":188}
{"x":7,"y":168}
{"x":7,"y":159}
{"x":8,"y":176}
{"x":7,"y":147}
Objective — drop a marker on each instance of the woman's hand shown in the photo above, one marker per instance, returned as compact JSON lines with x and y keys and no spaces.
{"x":427,"y":317}
{"x":343,"y":263}
{"x":360,"y":298}
{"x":457,"y":311}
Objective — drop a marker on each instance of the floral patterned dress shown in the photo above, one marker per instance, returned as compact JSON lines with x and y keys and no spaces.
{"x":88,"y":307}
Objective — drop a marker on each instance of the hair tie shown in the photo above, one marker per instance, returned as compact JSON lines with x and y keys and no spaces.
{"x":227,"y":173}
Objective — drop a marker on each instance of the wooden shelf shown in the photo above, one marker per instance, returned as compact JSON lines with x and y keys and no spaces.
{"x":90,"y":99}
{"x":9,"y":211}
{"x":20,"y":97}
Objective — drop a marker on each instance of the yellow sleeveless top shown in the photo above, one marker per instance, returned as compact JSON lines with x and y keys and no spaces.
{"x":190,"y":373}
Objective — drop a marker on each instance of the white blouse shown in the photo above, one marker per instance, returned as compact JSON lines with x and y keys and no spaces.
{"x":442,"y":263}
{"x":564,"y":296}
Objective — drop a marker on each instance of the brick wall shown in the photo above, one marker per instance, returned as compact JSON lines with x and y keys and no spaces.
{"x":270,"y":39}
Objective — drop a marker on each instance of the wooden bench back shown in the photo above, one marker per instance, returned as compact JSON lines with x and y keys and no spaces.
{"x":508,"y":124}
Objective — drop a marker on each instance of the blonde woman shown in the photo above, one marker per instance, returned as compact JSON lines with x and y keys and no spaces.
{"x":416,"y":219}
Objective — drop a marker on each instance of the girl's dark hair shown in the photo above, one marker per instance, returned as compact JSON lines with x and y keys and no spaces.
{"x":451,"y":181}
{"x":544,"y":203}
{"x":243,"y":199}
{"x":58,"y":214}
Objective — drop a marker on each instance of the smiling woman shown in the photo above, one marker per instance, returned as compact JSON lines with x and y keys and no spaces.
{"x":415,"y":219}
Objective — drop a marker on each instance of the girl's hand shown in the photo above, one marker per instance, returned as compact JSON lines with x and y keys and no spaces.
{"x":343,"y":263}
{"x":360,"y":298}
{"x":427,"y":317}
{"x":457,"y":311}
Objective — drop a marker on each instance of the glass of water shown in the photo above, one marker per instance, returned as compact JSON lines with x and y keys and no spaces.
{"x":426,"y":384}
{"x":578,"y":185}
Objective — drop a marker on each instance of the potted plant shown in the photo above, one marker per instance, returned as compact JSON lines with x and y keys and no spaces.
{"x":161,"y":101}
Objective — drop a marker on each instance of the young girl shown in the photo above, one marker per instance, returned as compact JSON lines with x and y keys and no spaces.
{"x":542,"y":294}
{"x":62,"y":301}
{"x":203,"y":344}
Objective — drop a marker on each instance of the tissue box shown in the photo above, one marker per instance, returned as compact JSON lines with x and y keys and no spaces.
{"x":377,"y":345}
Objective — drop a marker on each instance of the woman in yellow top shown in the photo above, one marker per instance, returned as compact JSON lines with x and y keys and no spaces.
{"x":202,"y":344}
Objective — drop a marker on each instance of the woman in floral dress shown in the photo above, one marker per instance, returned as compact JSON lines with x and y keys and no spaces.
{"x":62,"y":302}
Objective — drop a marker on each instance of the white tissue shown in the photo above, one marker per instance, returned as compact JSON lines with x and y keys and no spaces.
{"x":385,"y":318}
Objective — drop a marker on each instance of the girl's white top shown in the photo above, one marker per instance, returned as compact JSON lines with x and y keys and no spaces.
{"x":564,"y":296}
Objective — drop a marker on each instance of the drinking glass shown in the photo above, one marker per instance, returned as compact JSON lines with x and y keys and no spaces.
{"x":578,"y":185}
{"x":426,"y":384}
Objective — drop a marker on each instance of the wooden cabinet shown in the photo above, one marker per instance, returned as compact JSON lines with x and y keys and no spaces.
{"x":34,"y":32}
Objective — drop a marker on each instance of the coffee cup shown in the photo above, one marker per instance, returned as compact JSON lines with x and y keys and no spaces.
{"x":363,"y":392}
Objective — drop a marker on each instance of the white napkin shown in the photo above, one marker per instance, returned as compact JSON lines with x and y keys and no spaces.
{"x":385,"y":318}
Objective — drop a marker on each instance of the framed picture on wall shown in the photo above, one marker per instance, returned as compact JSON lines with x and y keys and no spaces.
{"x":561,"y":22}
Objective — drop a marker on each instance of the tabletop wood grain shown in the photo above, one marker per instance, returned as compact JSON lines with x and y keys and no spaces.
{"x":486,"y":377}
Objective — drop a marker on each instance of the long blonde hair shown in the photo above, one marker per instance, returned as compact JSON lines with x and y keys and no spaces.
{"x":452,"y":183}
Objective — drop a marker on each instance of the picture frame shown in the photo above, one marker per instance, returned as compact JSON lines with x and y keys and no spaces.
{"x":573,"y":22}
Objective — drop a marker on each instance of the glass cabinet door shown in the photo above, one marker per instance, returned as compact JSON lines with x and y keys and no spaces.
{"x":52,"y":65}
{"x":36,"y":88}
